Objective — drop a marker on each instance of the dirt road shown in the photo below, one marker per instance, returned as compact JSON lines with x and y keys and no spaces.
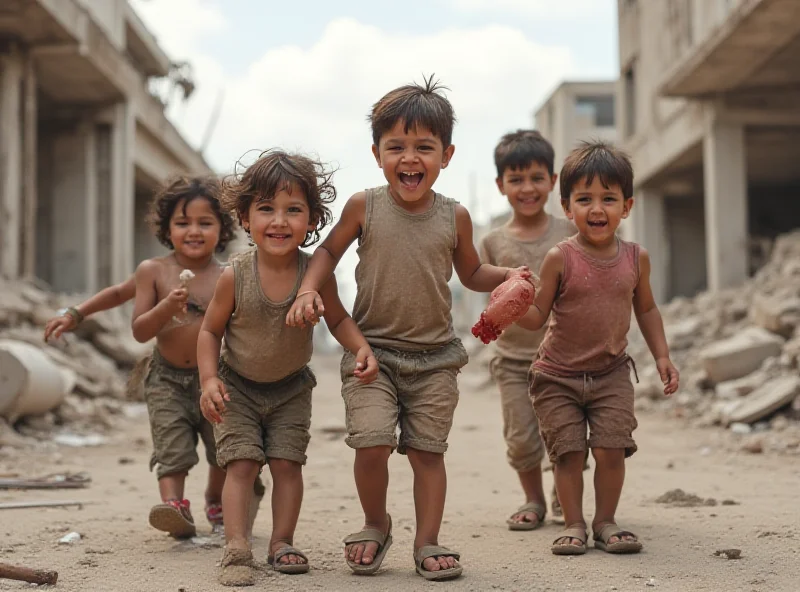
{"x":119,"y":551}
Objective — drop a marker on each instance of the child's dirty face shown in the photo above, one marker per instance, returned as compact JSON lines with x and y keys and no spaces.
{"x":527,"y":188}
{"x":597,"y":210}
{"x":412,"y":161}
{"x":194,"y":228}
{"x":279,"y":225}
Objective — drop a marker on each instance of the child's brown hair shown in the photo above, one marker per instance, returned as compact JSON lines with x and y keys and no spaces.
{"x":414,"y":105}
{"x":188,"y":189}
{"x":596,"y":159}
{"x":520,"y":149}
{"x":274,"y":171}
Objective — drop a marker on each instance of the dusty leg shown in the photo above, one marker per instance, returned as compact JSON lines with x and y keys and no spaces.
{"x":531,"y":482}
{"x":430,"y":491}
{"x":287,"y":497}
{"x":237,"y":494}
{"x":609,"y":475}
{"x":171,"y":486}
{"x":371,"y":470}
{"x":568,"y":473}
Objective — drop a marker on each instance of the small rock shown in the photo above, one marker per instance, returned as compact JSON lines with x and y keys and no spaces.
{"x":728,"y":553}
{"x":70,"y":538}
{"x":651,"y":583}
{"x":124,"y":460}
{"x":730,"y":502}
{"x":681,"y":499}
{"x":754,"y":445}
{"x":741,"y":428}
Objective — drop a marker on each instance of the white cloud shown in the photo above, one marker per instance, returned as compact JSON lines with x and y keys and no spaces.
{"x":316,"y":99}
{"x":542,"y":9}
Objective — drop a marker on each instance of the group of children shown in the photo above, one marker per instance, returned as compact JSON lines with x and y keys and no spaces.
{"x":233,"y":342}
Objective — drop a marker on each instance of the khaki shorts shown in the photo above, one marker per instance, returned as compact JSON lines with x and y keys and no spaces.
{"x":417,"y":390}
{"x":524,"y":446}
{"x":565,"y":406}
{"x":265,"y":420}
{"x":173,"y":405}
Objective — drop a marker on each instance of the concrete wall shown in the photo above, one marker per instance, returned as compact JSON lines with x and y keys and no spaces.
{"x":687,"y":243}
{"x":576,"y":111}
{"x":110,"y":15}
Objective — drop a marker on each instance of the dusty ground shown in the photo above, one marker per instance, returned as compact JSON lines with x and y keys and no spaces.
{"x":119,"y":551}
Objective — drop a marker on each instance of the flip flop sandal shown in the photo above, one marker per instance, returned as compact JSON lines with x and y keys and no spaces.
{"x":288,"y":568}
{"x":529,"y":508}
{"x":172,"y":517}
{"x":237,"y":568}
{"x":610,"y":530}
{"x":428,"y":551}
{"x":575,"y":532}
{"x":370,"y":535}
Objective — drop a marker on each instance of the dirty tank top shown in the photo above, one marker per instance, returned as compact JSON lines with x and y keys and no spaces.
{"x":402,"y":299}
{"x":258,"y":344}
{"x":499,"y":247}
{"x":591,"y":314}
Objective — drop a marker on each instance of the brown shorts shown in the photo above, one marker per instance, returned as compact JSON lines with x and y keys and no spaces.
{"x":265,"y":420}
{"x":173,"y":404}
{"x":418,"y":390}
{"x":524,"y":446}
{"x":564,"y":406}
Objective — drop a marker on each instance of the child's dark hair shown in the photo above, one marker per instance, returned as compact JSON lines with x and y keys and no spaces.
{"x":274,"y":171}
{"x":415,"y":105}
{"x":520,"y":149}
{"x":597,"y":159}
{"x":186,"y":190}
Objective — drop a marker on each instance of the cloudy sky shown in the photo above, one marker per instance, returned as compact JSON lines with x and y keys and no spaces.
{"x":303,"y":75}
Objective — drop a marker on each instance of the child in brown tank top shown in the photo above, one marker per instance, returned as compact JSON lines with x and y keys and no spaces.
{"x":524,"y":162}
{"x":589,"y":286}
{"x":258,"y":393}
{"x":409,"y":240}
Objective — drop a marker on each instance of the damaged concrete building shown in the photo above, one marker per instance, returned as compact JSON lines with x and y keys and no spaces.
{"x":709,"y":108}
{"x":84,"y":143}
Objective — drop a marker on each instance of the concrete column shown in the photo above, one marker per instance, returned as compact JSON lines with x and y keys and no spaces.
{"x":11,"y":69}
{"x":123,"y":203}
{"x":647,"y":225}
{"x":74,"y":205}
{"x":725,"y":182}
{"x":29,"y":168}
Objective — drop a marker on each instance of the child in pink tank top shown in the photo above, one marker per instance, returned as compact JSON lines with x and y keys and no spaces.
{"x":590,"y":284}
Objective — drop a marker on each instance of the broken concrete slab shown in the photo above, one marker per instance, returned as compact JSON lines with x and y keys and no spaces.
{"x":778,"y":313}
{"x":739,"y":355}
{"x":739,"y":387}
{"x":765,"y":400}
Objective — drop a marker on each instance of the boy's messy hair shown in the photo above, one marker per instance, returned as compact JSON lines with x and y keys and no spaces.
{"x":186,"y":190}
{"x":596,"y":159}
{"x":416,"y":106}
{"x":274,"y":171}
{"x":520,"y":149}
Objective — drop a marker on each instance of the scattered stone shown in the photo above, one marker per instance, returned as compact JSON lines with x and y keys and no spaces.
{"x":728,"y":553}
{"x":69,"y":539}
{"x":740,"y":355}
{"x":767,"y":399}
{"x":124,"y":460}
{"x":730,"y":502}
{"x":741,"y":428}
{"x":681,"y":499}
{"x":754,"y":445}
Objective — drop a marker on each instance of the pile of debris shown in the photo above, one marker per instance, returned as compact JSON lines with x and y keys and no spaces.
{"x":95,"y":360}
{"x":738,"y":353}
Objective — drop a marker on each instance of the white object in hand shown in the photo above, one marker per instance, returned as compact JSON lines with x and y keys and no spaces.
{"x":186,"y":276}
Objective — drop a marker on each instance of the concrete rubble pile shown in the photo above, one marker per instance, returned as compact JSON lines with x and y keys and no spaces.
{"x":738,"y":352}
{"x":88,"y":368}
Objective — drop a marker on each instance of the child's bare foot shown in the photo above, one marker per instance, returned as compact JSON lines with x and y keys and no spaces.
{"x":528,"y":516}
{"x":364,"y":551}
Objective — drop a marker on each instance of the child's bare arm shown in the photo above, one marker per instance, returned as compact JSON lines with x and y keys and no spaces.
{"x":344,"y":329}
{"x":105,"y":299}
{"x":324,"y":262}
{"x":652,"y":326}
{"x":209,"y":342}
{"x":150,"y":315}
{"x":474,"y":275}
{"x":549,"y":277}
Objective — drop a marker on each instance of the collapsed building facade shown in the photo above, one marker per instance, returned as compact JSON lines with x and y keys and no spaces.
{"x":84,"y":144}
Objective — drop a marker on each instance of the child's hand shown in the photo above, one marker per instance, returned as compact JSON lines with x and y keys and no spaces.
{"x":669,"y":375}
{"x":56,"y":326}
{"x":177,"y":299}
{"x":366,"y":365}
{"x":524,"y":272}
{"x":212,"y":401}
{"x":307,"y":307}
